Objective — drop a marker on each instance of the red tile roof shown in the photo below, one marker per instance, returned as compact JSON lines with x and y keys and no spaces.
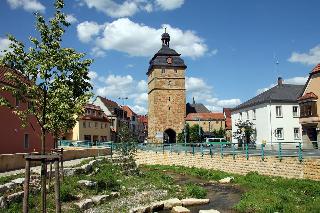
{"x":205,"y":116}
{"x":228,"y":123}
{"x":129,"y":111}
{"x":309,"y":95}
{"x":316,"y":69}
{"x":108,"y":102}
{"x":143,"y":118}
{"x":4,"y":79}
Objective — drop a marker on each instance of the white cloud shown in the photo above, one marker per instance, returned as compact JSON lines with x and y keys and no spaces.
{"x":169,"y":4}
{"x":213,"y":52}
{"x":203,"y":93}
{"x":140,"y":40}
{"x":294,"y":80}
{"x":97,"y":52}
{"x":71,"y":18}
{"x":86,"y":30}
{"x":127,"y":8}
{"x":28,"y":5}
{"x":140,"y":110}
{"x":310,"y":58}
{"x":92,"y":75}
{"x":4,"y":45}
{"x":113,"y":9}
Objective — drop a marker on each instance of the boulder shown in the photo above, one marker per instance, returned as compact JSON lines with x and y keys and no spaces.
{"x":156,"y":206}
{"x":209,"y":211}
{"x":10,"y":185}
{"x":226,"y":180}
{"x":87,"y":168}
{"x":69,"y":171}
{"x":84,"y":204}
{"x":3,"y":202}
{"x":98,"y":199}
{"x":115,"y":194}
{"x":194,"y":201}
{"x":18,"y":181}
{"x":87,"y":183}
{"x":15,"y":197}
{"x":141,"y":209}
{"x":180,"y":209}
{"x":3,"y":188}
{"x":169,"y":204}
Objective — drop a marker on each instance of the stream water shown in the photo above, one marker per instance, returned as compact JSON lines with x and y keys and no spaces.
{"x":222,"y":196}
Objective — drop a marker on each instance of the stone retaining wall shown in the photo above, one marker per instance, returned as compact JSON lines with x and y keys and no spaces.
{"x":16,"y":161}
{"x":288,"y":167}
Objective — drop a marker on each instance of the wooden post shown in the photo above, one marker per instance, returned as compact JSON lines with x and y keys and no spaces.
{"x":43,"y":186}
{"x":57,"y":186}
{"x":50,"y":175}
{"x":26,"y":187}
{"x":61,"y":158}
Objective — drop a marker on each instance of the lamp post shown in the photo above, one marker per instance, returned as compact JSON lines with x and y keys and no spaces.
{"x":199,"y":129}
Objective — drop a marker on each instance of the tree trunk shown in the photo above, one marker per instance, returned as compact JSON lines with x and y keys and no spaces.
{"x":43,"y":173}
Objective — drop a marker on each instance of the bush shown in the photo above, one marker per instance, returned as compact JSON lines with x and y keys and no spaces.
{"x":196,"y":191}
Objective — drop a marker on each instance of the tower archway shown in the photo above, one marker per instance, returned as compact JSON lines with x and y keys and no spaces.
{"x":169,"y":136}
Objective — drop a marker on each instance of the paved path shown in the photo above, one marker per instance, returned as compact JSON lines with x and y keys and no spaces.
{"x":37,"y":168}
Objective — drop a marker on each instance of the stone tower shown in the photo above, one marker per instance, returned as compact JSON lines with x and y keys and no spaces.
{"x":166,"y":94}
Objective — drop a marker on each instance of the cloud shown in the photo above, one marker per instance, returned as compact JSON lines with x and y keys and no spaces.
{"x":97,"y":52}
{"x":71,"y":18}
{"x":140,"y":110}
{"x":169,"y":4}
{"x":137,"y":39}
{"x":213,"y":52}
{"x":4,"y":45}
{"x":310,"y":58}
{"x":92,"y":75}
{"x":86,"y":30}
{"x":203,"y":93}
{"x":294,"y":80}
{"x":28,"y":5}
{"x":128,"y":8}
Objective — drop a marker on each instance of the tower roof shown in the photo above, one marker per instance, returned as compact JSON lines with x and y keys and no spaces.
{"x":166,"y":57}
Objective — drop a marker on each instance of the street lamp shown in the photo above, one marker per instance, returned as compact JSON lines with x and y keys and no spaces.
{"x":199,"y":129}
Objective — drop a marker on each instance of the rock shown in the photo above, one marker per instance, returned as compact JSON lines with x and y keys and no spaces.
{"x":98,"y":199}
{"x":157,"y":206}
{"x":3,"y":202}
{"x":209,"y":211}
{"x":87,"y":183}
{"x":15,"y":197}
{"x":84,"y":204}
{"x":19,"y":181}
{"x":169,"y":204}
{"x":3,"y":188}
{"x":141,"y":209}
{"x":226,"y":180}
{"x":194,"y":201}
{"x":180,"y":209}
{"x":115,"y":194}
{"x":69,"y":171}
{"x":87,"y":168}
{"x":10,"y":185}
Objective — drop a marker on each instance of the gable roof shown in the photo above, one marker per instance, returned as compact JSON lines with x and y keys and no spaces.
{"x":111,"y":105}
{"x":308,"y":96}
{"x":314,"y":71}
{"x":5,"y":80}
{"x":196,"y":108}
{"x":285,"y":93}
{"x":129,"y":111}
{"x":205,"y":116}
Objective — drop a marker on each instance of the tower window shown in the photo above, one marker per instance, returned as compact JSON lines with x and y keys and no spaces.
{"x":169,"y":98}
{"x":163,"y":71}
{"x":169,"y":108}
{"x":175,"y":70}
{"x":169,"y":83}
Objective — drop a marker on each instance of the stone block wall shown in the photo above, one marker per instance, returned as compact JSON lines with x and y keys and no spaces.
{"x":288,"y":167}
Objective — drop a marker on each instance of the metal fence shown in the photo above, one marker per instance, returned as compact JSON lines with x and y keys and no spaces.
{"x":222,"y":149}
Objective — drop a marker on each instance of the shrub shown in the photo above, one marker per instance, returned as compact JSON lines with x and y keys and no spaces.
{"x":196,"y":191}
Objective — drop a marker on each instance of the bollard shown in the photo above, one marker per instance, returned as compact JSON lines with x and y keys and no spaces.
{"x":300,"y":152}
{"x":262,"y":152}
{"x":221,"y":150}
{"x":247,"y":151}
{"x":233,"y":152}
{"x":210,"y":150}
{"x":280,"y":151}
{"x":193,"y":149}
{"x":202,"y":150}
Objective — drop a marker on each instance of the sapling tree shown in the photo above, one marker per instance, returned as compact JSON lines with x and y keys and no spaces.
{"x":245,"y":132}
{"x":52,"y":79}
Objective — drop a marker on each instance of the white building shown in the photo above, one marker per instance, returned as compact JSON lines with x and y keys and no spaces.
{"x":275,"y":115}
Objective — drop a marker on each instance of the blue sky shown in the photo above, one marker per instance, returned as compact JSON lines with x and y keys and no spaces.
{"x":230,"y":46}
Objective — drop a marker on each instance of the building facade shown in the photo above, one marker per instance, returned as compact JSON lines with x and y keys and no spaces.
{"x":208,"y":121}
{"x":93,"y":126}
{"x":166,"y":94}
{"x":15,"y":138}
{"x":114,"y":112}
{"x":274,"y":114}
{"x":309,"y":110}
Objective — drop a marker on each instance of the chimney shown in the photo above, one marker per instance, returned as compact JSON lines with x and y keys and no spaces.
{"x":280,"y":81}
{"x":193,"y":101}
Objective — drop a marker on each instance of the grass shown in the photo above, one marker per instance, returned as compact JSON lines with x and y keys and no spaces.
{"x":6,"y":179}
{"x":263,"y":193}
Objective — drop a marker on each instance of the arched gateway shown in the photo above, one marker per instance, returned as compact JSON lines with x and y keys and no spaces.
{"x":169,"y":136}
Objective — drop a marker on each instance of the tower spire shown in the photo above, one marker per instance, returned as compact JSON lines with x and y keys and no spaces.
{"x":165,"y":38}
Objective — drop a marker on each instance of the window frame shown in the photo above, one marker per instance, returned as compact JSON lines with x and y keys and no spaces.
{"x":281,"y":113}
{"x":26,"y":141}
{"x":254,"y":116}
{"x":294,"y":134}
{"x":282,"y":133}
{"x":297,"y":112}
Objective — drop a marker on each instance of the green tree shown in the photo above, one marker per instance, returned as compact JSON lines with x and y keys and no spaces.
{"x":181,"y":135}
{"x":52,"y":79}
{"x":245,"y":132}
{"x":195,"y":137}
{"x":219,"y":133}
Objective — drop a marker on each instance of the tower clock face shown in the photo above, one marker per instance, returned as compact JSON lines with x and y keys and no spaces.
{"x":169,"y":60}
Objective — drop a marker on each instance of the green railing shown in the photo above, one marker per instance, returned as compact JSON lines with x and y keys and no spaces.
{"x":222,"y":149}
